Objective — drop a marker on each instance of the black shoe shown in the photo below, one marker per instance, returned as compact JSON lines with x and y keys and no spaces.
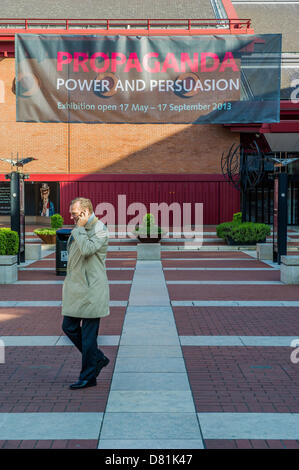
{"x":83,"y":384}
{"x":101,"y":363}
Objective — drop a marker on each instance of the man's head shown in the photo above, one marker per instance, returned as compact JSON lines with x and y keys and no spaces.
{"x":45,"y":190}
{"x":79,"y":206}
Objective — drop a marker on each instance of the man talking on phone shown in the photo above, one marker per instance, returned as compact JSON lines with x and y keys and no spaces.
{"x":85,"y":295}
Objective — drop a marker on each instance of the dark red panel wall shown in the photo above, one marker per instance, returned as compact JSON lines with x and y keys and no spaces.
{"x":220,"y":200}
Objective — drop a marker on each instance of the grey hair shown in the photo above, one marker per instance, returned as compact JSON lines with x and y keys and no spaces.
{"x":84,"y":203}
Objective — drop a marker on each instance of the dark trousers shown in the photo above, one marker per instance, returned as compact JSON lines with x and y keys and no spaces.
{"x":84,"y":337}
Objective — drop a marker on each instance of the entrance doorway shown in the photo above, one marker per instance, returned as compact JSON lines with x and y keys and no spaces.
{"x":259,"y":201}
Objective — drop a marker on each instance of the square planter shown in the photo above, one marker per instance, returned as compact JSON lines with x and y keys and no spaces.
{"x":33,"y":251}
{"x":8,"y":269}
{"x":264,"y":251}
{"x":146,"y":239}
{"x":149,"y":251}
{"x":48,"y":239}
{"x":153,"y":238}
{"x":289,"y":269}
{"x":232,"y":242}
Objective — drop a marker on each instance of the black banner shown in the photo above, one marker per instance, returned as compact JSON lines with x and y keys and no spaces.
{"x":120,"y":79}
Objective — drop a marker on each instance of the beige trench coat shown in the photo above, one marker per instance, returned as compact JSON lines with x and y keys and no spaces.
{"x":85,"y":291}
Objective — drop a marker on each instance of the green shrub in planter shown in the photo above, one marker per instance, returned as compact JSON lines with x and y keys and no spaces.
{"x":237,"y":218}
{"x":56,"y":221}
{"x":45,"y":231}
{"x":148,"y":227}
{"x":11,"y":242}
{"x":149,"y":219}
{"x":2,"y":243}
{"x":249,"y":232}
{"x":224,"y":229}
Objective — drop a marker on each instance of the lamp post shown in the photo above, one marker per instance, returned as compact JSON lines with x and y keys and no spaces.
{"x":280,"y":215}
{"x":280,"y":207}
{"x":17,"y":201}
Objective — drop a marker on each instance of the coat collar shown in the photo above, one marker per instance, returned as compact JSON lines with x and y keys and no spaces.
{"x":91,"y":221}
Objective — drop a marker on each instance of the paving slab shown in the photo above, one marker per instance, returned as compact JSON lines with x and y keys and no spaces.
{"x":249,"y":425}
{"x":30,"y":340}
{"x":149,"y":319}
{"x":226,"y":283}
{"x":150,"y":351}
{"x":267,"y":340}
{"x":155,"y":364}
{"x":211,"y":341}
{"x":150,"y":426}
{"x":150,"y":381}
{"x":149,"y":287}
{"x":217,"y":269}
{"x":153,"y":401}
{"x":49,"y":303}
{"x":50,"y":425}
{"x":234,"y":303}
{"x":237,"y":340}
{"x":108,"y":340}
{"x":154,"y":337}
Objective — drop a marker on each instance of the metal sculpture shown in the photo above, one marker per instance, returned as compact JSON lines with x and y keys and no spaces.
{"x":243,"y":169}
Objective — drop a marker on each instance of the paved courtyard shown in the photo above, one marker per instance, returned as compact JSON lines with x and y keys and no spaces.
{"x":199,"y":346}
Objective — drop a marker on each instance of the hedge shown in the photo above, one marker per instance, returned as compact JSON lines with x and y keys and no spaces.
{"x":242,"y":232}
{"x":249,"y":232}
{"x":9,"y":241}
{"x":56,"y":221}
{"x":224,"y":229}
{"x":2,"y":243}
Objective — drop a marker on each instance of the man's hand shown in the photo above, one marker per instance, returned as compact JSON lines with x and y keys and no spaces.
{"x":82,"y":219}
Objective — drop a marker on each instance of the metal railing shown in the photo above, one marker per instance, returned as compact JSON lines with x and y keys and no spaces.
{"x":125,"y":24}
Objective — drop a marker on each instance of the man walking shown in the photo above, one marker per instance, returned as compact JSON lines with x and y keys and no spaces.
{"x":85,"y":295}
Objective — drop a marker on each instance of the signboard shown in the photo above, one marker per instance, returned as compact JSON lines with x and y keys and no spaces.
{"x":17,"y":219}
{"x":135,"y":79}
{"x":4,"y":198}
